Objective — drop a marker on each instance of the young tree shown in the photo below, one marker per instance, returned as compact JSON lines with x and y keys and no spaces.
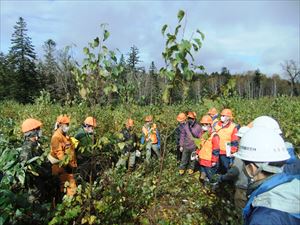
{"x":22,"y":58}
{"x":178,"y":56}
{"x":292,"y":71}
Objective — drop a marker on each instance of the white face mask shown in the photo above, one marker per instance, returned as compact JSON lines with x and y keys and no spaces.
{"x":224,"y":118}
{"x":90,"y":130}
{"x":40,"y":133}
{"x":65,"y":128}
{"x":205,"y":128}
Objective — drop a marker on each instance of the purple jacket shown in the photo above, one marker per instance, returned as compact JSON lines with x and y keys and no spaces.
{"x":186,"y":140}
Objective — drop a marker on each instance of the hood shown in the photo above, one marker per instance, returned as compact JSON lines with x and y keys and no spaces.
{"x":284,"y":197}
{"x":292,"y":168}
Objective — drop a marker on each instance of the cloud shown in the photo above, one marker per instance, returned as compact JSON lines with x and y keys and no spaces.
{"x":241,"y":35}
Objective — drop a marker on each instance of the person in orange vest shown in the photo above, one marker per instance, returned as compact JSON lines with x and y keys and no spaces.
{"x":62,"y":149}
{"x":208,"y":154}
{"x":151,"y":137}
{"x":213,"y":113}
{"x":181,"y":118}
{"x":227,"y":131}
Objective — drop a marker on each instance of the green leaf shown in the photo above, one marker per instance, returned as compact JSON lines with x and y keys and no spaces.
{"x":164,"y":29}
{"x":86,"y":50}
{"x":180,"y":15}
{"x":107,"y":90}
{"x":198,"y":41}
{"x":195,"y":47}
{"x":202,"y":34}
{"x":96,"y":42}
{"x":114,"y":88}
{"x":177,"y":29}
{"x":121,"y":145}
{"x":106,"y":35}
{"x":197,"y":142}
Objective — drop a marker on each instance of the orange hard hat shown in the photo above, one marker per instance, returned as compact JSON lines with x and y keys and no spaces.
{"x":129,"y":123}
{"x":226,"y":112}
{"x":30,"y":124}
{"x":148,"y":118}
{"x":212,"y":111}
{"x":206,"y":119}
{"x":181,"y":117}
{"x":191,"y":115}
{"x":63,"y":119}
{"x":91,"y":121}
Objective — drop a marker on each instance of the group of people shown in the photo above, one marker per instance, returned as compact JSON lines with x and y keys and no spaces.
{"x":68,"y":152}
{"x":263,"y":166}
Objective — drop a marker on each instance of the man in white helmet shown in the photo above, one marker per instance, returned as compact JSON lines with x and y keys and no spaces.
{"x":273,"y":189}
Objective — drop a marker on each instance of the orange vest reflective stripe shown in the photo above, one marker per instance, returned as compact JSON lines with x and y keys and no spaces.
{"x":206,"y":148}
{"x":225,"y":136}
{"x":150,"y":134}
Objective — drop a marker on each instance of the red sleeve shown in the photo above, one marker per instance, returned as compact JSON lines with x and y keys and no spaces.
{"x":234,"y":141}
{"x":215,"y":148}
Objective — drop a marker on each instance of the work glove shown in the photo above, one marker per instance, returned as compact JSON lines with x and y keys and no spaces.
{"x":194,"y":156}
{"x":181,"y":149}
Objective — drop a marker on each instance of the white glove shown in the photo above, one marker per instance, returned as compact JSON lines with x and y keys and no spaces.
{"x":181,"y":149}
{"x":193,"y":156}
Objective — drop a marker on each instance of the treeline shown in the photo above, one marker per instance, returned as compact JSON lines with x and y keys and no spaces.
{"x":104,"y":78}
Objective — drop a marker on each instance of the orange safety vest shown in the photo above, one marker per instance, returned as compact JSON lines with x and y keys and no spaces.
{"x":206,"y":148}
{"x":150,"y":134}
{"x":225,"y":136}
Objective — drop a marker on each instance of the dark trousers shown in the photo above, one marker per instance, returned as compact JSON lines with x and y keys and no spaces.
{"x":209,"y":171}
{"x":178,"y":154}
{"x":224,"y":164}
{"x":186,"y":162}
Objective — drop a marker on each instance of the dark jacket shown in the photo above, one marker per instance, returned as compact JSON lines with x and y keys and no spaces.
{"x":130,"y":139}
{"x":190,"y":130}
{"x":178,"y":130}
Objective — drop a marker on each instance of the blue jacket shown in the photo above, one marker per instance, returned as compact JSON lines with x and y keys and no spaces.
{"x":291,"y":151}
{"x":277,"y":200}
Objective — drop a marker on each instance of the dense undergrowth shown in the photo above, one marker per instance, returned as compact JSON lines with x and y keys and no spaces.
{"x":151,"y":194}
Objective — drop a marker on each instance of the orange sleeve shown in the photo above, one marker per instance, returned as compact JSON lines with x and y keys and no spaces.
{"x":56,"y":148}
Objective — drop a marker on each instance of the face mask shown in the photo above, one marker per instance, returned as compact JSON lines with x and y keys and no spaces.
{"x":65,"y":128}
{"x":90,"y":130}
{"x":224,"y":119}
{"x":39,"y":133}
{"x":205,"y":128}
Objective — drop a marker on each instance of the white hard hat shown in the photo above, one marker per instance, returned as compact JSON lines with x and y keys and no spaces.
{"x":242,"y":131}
{"x":261,"y":144}
{"x":267,"y":122}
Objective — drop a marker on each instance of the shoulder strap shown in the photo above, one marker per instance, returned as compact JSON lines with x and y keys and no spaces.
{"x":191,"y":131}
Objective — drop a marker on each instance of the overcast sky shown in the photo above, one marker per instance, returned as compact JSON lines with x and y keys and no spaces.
{"x":239,"y":35}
